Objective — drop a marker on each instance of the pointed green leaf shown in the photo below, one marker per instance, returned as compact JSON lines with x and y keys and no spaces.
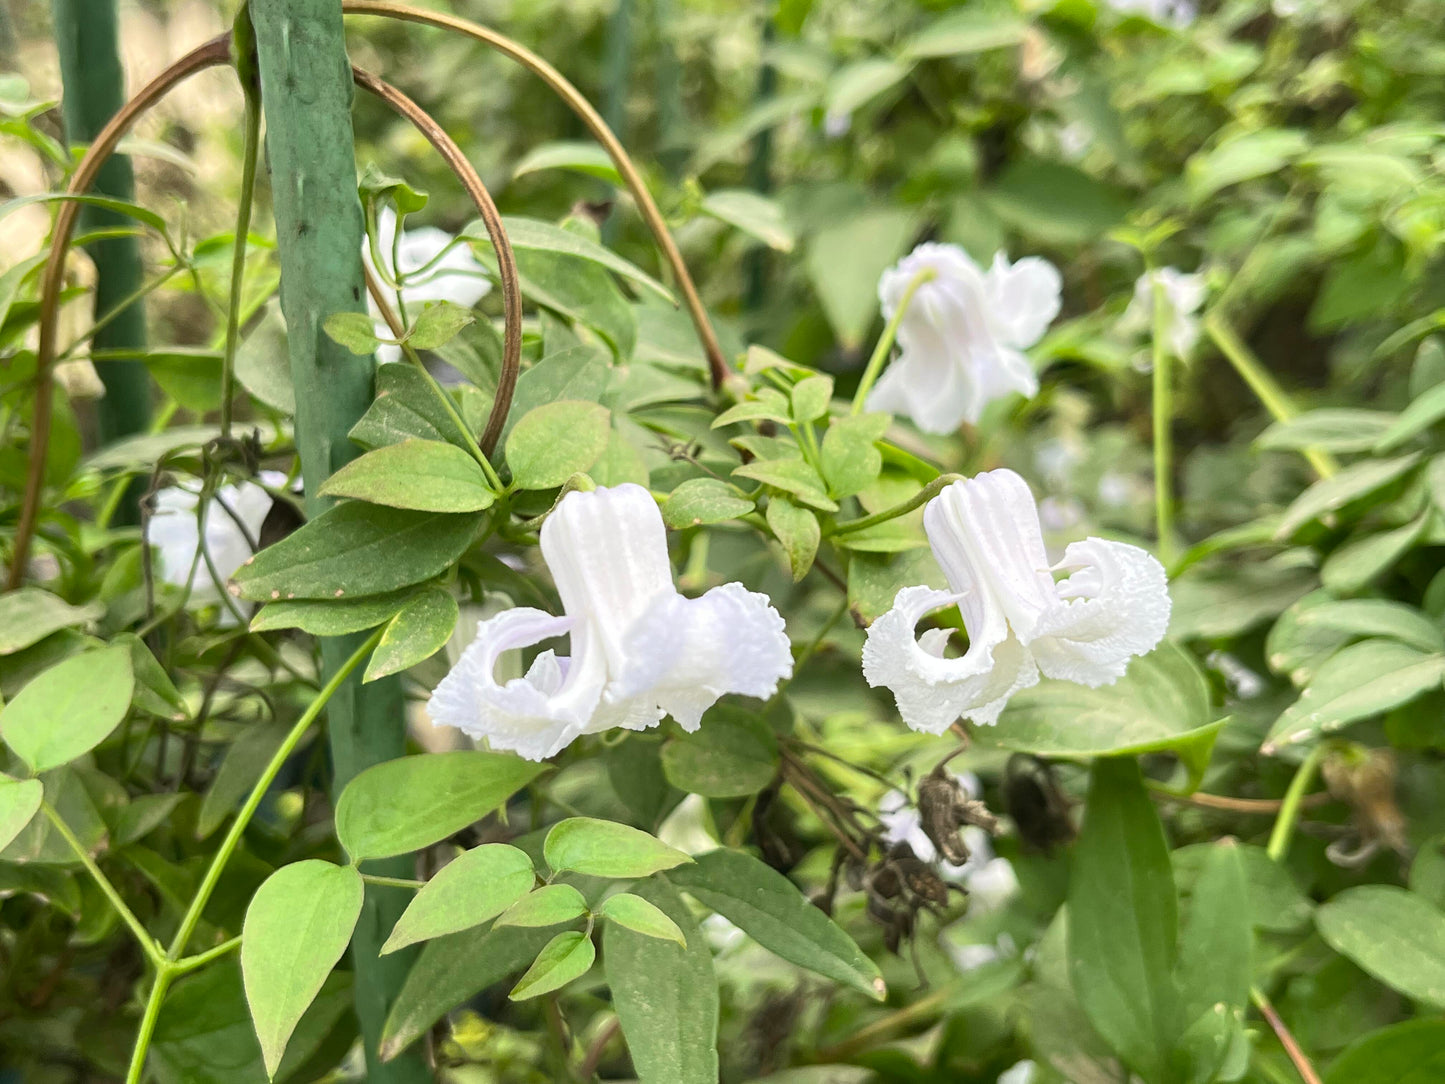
{"x":424,"y":475}
{"x":700,"y":501}
{"x":605,"y":849}
{"x":733,"y":754}
{"x":405,"y":407}
{"x":1349,"y":485}
{"x":567,"y":956}
{"x":533,"y":233}
{"x":545,"y":906}
{"x":1376,"y":617}
{"x":791,"y":476}
{"x":642,"y":917}
{"x":551,"y":443}
{"x":752,"y":213}
{"x":69,"y":709}
{"x":471,"y":889}
{"x":798,"y":531}
{"x":419,"y":630}
{"x":851,"y":460}
{"x":1408,"y":1053}
{"x":353,"y":330}
{"x":332,"y":617}
{"x":29,"y":615}
{"x":438,"y":324}
{"x":1393,"y":934}
{"x":19,"y":802}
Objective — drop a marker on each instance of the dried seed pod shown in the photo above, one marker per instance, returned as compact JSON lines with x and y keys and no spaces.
{"x":1036,"y":804}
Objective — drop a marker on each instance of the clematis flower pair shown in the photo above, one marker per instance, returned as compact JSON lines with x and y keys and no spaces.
{"x":986,"y":535}
{"x":640,"y":649}
{"x":963,"y":334}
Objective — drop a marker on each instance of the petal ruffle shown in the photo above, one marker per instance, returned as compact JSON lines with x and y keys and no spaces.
{"x":932,"y":692}
{"x":1114,"y":606}
{"x":1024,"y":298}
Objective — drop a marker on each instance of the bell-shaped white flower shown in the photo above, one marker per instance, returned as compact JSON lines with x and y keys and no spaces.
{"x":1183,"y":296}
{"x":232,"y":522}
{"x":431,"y":266}
{"x":963,"y":334}
{"x":986,"y":535}
{"x":639,"y":648}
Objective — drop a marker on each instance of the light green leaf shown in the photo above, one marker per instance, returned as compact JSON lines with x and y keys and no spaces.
{"x":856,"y":84}
{"x":851,"y":461}
{"x":566,"y":957}
{"x":353,"y":330}
{"x":604,"y":849}
{"x":578,"y":157}
{"x":424,"y":475}
{"x":642,"y":917}
{"x":297,"y":927}
{"x":29,"y":614}
{"x":1254,"y":154}
{"x":1426,"y":410}
{"x":962,"y":33}
{"x":765,"y":405}
{"x":545,"y":906}
{"x":332,"y":617}
{"x":1218,"y":938}
{"x":1376,"y":617}
{"x":1409,"y":1053}
{"x":773,"y":911}
{"x":732,"y":755}
{"x":700,"y":501}
{"x":1331,"y":494}
{"x":19,"y":802}
{"x":1393,"y":934}
{"x":798,"y":531}
{"x":811,"y":397}
{"x":472,"y":888}
{"x":791,"y":476}
{"x":535,"y":234}
{"x":438,"y":324}
{"x":755,"y":215}
{"x":1355,"y":565}
{"x":412,"y":802}
{"x":69,"y":709}
{"x":553,"y":442}
{"x":263,"y":365}
{"x":845,"y":261}
{"x":418,"y":631}
{"x":356,"y":549}
{"x":1331,"y":430}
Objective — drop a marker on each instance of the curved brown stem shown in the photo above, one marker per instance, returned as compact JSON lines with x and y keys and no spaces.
{"x":492,"y":218}
{"x":717,"y":364}
{"x":213,"y":53}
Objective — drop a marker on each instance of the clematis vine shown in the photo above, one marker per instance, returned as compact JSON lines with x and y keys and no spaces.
{"x":961,"y":332}
{"x":232,"y":525}
{"x":640,"y":649}
{"x":1183,"y":295}
{"x":430,"y":266}
{"x":986,"y":535}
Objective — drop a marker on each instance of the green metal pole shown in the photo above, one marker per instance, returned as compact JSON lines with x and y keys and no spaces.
{"x":94,"y":85}
{"x":306,"y":93}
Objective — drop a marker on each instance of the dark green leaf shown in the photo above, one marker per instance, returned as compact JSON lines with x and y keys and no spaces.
{"x":405,"y":407}
{"x":418,"y":631}
{"x":798,"y":532}
{"x":734,"y":754}
{"x":1408,"y":1053}
{"x":1393,"y":934}
{"x":332,"y":617}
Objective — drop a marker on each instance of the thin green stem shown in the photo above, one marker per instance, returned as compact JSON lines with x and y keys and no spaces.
{"x":121,"y":306}
{"x":1289,"y":810}
{"x":252,"y":140}
{"x":1253,"y":372}
{"x":164,"y":974}
{"x":392,"y":882}
{"x":147,"y":942}
{"x":201,"y":959}
{"x":1163,"y":409}
{"x":253,"y":800}
{"x":885,"y":341}
{"x":922,"y":497}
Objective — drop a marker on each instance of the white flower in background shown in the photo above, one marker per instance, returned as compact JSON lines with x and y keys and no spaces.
{"x":1242,"y":681}
{"x":971,"y":955}
{"x":1075,"y":139}
{"x":176,"y":535}
{"x":962,"y":337}
{"x":1170,"y":12}
{"x":836,"y":125}
{"x":1115,"y":490}
{"x":1060,"y":513}
{"x":639,"y":648}
{"x":456,"y":275}
{"x":986,"y":535}
{"x":1022,"y":1072}
{"x":1183,"y":294}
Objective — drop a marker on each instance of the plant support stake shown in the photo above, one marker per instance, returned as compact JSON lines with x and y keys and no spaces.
{"x":306,"y":93}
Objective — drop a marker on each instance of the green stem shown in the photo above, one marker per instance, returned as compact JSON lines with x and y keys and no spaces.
{"x":918,"y":500}
{"x":885,"y":341}
{"x":244,"y":47}
{"x":393,"y":882}
{"x":147,"y":942}
{"x":191,"y":963}
{"x":1252,"y":371}
{"x":164,"y":974}
{"x":1284,"y":824}
{"x":253,"y":800}
{"x":1163,"y":409}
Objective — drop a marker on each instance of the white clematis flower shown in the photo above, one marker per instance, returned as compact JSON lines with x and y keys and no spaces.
{"x":176,"y":535}
{"x":639,"y":648}
{"x":1183,"y":296}
{"x":456,"y":275}
{"x":1163,"y":12}
{"x":963,"y":334}
{"x":986,"y":535}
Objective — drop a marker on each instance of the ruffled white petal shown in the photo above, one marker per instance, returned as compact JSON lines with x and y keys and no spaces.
{"x":1114,"y":606}
{"x":1024,"y":297}
{"x":933,"y":692}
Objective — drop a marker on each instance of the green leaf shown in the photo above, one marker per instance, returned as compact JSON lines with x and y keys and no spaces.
{"x":154,"y":690}
{"x":856,"y":84}
{"x":1331,"y":494}
{"x":875,"y":579}
{"x":424,"y":475}
{"x":244,"y":761}
{"x":19,"y":802}
{"x":69,"y":709}
{"x":405,"y":407}
{"x":1218,"y":938}
{"x":603,"y":849}
{"x":755,"y":215}
{"x":375,"y":185}
{"x":666,"y":996}
{"x":566,"y":957}
{"x":449,"y":971}
{"x":297,"y":927}
{"x":418,"y":631}
{"x":331,"y":617}
{"x":1054,"y":203}
{"x":580,"y":157}
{"x":1161,"y":704}
{"x":356,"y":549}
{"x":545,"y":906}
{"x":1254,"y":154}
{"x":581,"y":292}
{"x":792,"y":476}
{"x":773,"y":911}
{"x":1361,"y":680}
{"x":765,"y":405}
{"x":642,"y":917}
{"x":553,"y":442}
{"x":1376,"y":617}
{"x":438,"y":324}
{"x":1276,"y":902}
{"x":798,"y":531}
{"x":811,"y":398}
{"x":1355,"y":565}
{"x":1393,"y":934}
{"x":406,"y":804}
{"x":1408,"y":1053}
{"x":263,"y":364}
{"x":1122,"y":920}
{"x":534,"y":234}
{"x":578,"y":372}
{"x":846,"y":259}
{"x":851,"y":461}
{"x":472,"y":888}
{"x":353,"y":330}
{"x":700,"y":501}
{"x":1331,"y":430}
{"x":29,"y":615}
{"x":734,"y":754}
{"x":1424,"y":411}
{"x":963,"y":33}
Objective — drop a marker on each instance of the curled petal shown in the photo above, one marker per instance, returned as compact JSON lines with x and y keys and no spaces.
{"x":688,"y":652}
{"x":536,"y":715}
{"x":932,"y":692}
{"x":1024,"y":298}
{"x":1114,"y":606}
